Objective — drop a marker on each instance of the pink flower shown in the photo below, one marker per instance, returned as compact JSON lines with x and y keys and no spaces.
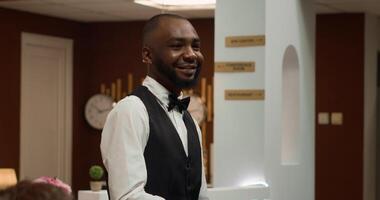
{"x":54,"y":181}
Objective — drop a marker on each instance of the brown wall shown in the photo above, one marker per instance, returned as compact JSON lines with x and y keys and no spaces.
{"x":339,"y":88}
{"x":103,"y":52}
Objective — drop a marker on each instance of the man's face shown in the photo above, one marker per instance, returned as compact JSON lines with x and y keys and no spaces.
{"x":175,"y":53}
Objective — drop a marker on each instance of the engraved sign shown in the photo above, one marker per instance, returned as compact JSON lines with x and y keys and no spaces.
{"x":244,"y":41}
{"x":234,"y":66}
{"x":244,"y":94}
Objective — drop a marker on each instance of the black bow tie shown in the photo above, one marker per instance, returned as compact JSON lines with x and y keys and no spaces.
{"x":181,"y":104}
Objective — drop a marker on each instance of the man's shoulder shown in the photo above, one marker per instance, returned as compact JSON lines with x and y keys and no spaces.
{"x":129,"y":103}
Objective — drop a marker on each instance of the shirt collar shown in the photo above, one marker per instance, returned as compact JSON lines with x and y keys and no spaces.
{"x":158,"y":90}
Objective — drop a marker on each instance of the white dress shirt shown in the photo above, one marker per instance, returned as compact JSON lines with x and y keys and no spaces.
{"x":124,"y":138}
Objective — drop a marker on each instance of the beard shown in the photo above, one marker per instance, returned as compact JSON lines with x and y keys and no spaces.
{"x":170,"y":73}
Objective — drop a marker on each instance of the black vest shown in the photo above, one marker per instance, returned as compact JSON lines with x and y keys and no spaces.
{"x":171,"y":174}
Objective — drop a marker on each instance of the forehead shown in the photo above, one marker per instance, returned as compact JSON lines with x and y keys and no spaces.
{"x":169,"y":28}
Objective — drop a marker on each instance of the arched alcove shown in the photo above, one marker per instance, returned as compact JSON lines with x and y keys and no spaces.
{"x":290,"y":108}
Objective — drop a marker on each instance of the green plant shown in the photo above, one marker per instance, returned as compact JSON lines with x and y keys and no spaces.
{"x":96,"y":172}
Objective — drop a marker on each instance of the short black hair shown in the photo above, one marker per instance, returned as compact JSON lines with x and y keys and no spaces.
{"x":153,"y":22}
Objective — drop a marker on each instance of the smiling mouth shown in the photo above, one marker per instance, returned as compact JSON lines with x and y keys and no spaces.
{"x":187,"y":67}
{"x":187,"y":70}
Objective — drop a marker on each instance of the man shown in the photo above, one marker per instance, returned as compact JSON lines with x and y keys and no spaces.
{"x":150,"y":144}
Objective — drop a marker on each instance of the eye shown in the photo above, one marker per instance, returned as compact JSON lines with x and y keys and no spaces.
{"x":196,"y":46}
{"x":176,"y":46}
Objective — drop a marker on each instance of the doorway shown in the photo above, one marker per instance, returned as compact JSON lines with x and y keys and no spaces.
{"x":46,"y":107}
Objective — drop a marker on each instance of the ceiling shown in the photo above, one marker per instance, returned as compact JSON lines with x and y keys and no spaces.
{"x":127,"y":10}
{"x":94,"y":10}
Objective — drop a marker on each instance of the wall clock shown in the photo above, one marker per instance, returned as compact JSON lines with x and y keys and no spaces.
{"x":96,"y":110}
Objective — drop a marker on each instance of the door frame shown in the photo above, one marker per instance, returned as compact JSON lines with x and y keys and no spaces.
{"x":65,"y":145}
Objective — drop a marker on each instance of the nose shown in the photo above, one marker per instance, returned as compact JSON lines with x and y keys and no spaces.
{"x":189,"y":54}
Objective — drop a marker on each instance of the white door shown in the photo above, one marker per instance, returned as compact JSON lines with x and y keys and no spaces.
{"x":46,"y":107}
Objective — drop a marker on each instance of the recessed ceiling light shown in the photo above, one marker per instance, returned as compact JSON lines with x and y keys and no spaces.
{"x":179,"y":4}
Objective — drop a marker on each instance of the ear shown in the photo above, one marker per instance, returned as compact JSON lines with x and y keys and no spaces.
{"x":146,"y":55}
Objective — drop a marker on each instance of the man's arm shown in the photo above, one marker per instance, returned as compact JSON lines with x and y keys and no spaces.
{"x":124,"y":138}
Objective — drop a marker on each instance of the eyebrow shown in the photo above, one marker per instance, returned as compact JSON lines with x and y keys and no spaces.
{"x":184,"y":39}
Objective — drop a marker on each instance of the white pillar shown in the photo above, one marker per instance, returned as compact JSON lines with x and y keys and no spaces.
{"x":290,"y":22}
{"x":238,"y":125}
{"x":248,"y":135}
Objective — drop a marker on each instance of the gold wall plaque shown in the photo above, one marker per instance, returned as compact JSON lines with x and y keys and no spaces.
{"x":234,"y":66}
{"x":244,"y":94}
{"x":244,"y":41}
